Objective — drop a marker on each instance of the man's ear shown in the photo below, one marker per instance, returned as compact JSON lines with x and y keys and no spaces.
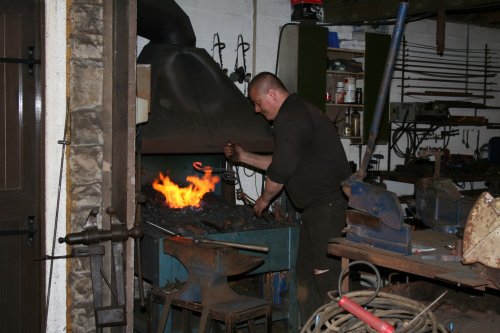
{"x":273,"y":94}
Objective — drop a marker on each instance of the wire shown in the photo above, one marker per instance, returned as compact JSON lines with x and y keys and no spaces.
{"x":405,"y":314}
{"x":113,"y":291}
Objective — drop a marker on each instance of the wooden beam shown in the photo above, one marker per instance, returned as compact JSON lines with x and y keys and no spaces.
{"x":344,"y":12}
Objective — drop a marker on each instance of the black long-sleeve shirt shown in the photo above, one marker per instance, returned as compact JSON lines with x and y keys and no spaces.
{"x":308,"y":156}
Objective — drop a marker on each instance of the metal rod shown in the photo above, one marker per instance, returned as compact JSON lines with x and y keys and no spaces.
{"x":459,"y":64}
{"x":451,"y":88}
{"x":449,"y":55}
{"x":169,"y":232}
{"x":440,"y":59}
{"x":485,"y":70}
{"x":256,"y":248}
{"x":481,"y":70}
{"x":384,"y":87}
{"x":438,"y":74}
{"x":409,"y":78}
{"x":446,"y":93}
{"x":427,"y":308}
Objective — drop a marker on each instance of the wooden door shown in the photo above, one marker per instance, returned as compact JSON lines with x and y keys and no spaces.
{"x":20,"y":243}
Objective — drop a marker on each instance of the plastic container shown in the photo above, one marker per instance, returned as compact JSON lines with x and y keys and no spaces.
{"x":350,"y":90}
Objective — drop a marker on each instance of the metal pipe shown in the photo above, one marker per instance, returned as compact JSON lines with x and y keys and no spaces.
{"x":384,"y":87}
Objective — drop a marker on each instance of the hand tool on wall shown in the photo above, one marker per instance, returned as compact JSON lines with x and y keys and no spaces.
{"x":377,"y":217}
{"x":477,"y":153}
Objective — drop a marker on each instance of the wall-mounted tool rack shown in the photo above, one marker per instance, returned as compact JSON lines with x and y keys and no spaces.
{"x":463,"y":74}
{"x":430,"y":84}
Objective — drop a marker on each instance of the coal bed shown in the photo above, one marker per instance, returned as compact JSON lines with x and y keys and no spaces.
{"x":214,"y":215}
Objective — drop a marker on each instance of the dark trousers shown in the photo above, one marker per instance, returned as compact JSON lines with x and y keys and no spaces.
{"x":319,"y":225}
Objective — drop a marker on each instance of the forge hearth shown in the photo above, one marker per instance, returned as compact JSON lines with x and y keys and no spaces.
{"x":213,"y":216}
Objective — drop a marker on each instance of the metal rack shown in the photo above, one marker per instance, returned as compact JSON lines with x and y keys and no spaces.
{"x":460,"y":78}
{"x":467,"y":72}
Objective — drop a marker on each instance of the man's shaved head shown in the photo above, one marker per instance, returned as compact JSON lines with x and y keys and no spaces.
{"x":265,"y":81}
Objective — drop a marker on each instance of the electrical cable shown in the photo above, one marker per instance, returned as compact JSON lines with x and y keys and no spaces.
{"x":405,"y":314}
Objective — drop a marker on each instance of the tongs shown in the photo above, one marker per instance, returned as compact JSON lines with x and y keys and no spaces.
{"x":247,"y":200}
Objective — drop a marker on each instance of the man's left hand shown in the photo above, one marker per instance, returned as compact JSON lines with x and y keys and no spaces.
{"x":260,"y":206}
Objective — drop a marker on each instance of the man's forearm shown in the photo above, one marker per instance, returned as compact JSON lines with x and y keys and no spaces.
{"x":271,"y":190}
{"x":261,"y":162}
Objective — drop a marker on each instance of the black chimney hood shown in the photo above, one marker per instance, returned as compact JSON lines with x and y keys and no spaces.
{"x":195,"y":107}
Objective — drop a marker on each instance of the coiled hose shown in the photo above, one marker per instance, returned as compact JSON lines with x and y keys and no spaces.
{"x":396,"y":310}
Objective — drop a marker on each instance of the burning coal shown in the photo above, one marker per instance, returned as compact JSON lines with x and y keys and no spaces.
{"x":189,"y":196}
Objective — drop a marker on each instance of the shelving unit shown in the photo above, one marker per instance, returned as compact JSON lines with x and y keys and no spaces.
{"x":336,"y":111}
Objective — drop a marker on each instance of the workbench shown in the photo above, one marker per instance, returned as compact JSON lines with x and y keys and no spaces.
{"x":451,"y":271}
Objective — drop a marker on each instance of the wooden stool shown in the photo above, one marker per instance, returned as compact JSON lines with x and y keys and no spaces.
{"x":241,"y":309}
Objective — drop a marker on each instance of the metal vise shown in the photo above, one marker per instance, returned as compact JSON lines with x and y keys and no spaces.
{"x":92,"y":236}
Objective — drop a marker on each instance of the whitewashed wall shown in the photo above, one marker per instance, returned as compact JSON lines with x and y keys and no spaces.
{"x":230,"y":18}
{"x":55,"y":110}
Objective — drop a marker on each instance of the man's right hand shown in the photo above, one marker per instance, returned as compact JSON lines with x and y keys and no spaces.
{"x":233,"y":151}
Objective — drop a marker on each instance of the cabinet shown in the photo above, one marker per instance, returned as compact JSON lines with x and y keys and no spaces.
{"x":303,"y":67}
{"x":345,"y":86}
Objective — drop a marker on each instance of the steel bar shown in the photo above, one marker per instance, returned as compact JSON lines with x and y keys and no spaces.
{"x":448,"y":88}
{"x":256,"y":248}
{"x":168,"y":232}
{"x":479,"y":63}
{"x":460,"y":64}
{"x":438,"y":74}
{"x":409,"y":78}
{"x":448,"y":68}
{"x":429,"y":47}
{"x":446,"y":94}
{"x":451,"y":55}
{"x":384,"y":87}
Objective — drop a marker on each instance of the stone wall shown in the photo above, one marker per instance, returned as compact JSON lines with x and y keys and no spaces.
{"x":85,"y":56}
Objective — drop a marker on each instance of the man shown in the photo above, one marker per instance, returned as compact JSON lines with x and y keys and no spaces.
{"x":309,"y":162}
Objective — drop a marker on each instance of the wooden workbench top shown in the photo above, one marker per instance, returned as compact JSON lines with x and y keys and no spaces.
{"x":418,"y":263}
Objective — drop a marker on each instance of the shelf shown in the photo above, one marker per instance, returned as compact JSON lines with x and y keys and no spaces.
{"x":354,"y":53}
{"x":357,"y":106}
{"x":357,"y":75}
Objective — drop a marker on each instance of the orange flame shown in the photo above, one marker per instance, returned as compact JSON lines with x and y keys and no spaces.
{"x":180,"y":197}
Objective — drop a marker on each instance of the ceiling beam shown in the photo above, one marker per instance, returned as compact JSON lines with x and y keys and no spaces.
{"x":351,"y":12}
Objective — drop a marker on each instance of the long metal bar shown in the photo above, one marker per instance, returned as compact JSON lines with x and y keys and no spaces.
{"x":440,"y":59}
{"x":451,"y":55}
{"x":459,"y":64}
{"x":257,"y":248}
{"x":451,"y":88}
{"x":438,"y":74}
{"x":409,"y":78}
{"x":482,"y":70}
{"x":384,"y":87}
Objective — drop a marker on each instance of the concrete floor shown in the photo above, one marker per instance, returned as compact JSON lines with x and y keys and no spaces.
{"x":467,"y":311}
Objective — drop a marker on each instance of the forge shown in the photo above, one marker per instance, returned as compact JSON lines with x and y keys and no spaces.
{"x":220,"y":219}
